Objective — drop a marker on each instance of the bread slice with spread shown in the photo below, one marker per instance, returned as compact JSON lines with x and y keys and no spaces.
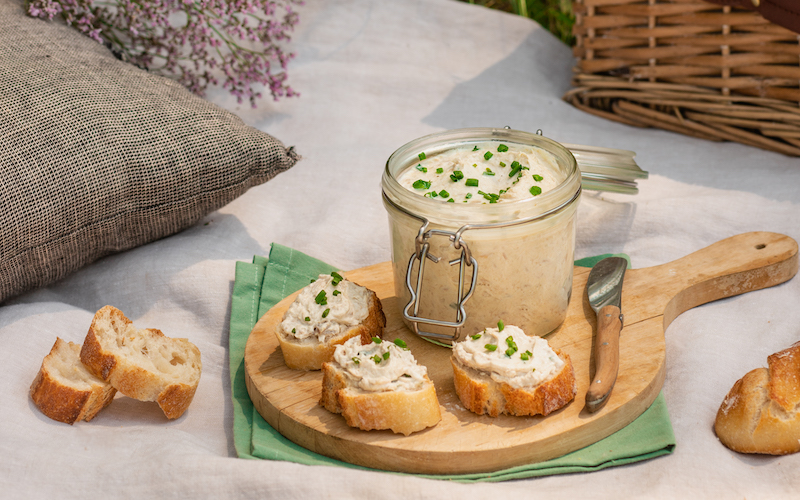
{"x":143,"y":364}
{"x":504,"y":371}
{"x":327,"y":313}
{"x":379,"y":386}
{"x":65,"y":390}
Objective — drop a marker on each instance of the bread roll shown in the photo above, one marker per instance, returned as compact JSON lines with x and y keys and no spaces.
{"x":379,"y":386}
{"x":760,"y":414}
{"x":327,"y":313}
{"x":516,"y":374}
{"x":65,"y":390}
{"x":142,"y":364}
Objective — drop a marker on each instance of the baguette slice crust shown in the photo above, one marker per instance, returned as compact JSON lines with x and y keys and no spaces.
{"x":402,"y":412}
{"x":482,"y":395}
{"x":761,"y":412}
{"x":143,"y":364}
{"x":310,"y":354}
{"x":65,"y":390}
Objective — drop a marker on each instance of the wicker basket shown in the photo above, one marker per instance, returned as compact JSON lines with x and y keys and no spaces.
{"x":714,"y":72}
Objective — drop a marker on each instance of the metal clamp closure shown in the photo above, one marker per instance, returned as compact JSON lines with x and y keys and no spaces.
{"x":422,"y":254}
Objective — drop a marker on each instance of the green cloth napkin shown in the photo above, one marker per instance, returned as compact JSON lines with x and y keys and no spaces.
{"x":264,"y":282}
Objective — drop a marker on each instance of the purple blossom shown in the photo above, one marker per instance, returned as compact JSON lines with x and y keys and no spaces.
{"x":239,"y":39}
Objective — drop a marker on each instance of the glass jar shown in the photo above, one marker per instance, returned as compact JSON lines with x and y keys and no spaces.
{"x":461,"y":267}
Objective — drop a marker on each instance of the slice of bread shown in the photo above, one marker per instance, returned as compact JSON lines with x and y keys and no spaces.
{"x":482,"y":395}
{"x":761,"y":412}
{"x":142,"y":364}
{"x":311,"y":351}
{"x":484,"y":392}
{"x":65,"y":390}
{"x":401,"y":408}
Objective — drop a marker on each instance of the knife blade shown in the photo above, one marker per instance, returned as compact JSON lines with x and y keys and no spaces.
{"x":604,"y":289}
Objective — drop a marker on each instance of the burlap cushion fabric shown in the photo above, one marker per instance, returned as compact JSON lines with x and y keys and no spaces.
{"x":98,"y":156}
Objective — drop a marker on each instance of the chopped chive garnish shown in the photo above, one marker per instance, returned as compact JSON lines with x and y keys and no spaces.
{"x":400,"y":343}
{"x":307,"y":318}
{"x":487,"y":155}
{"x":421,"y":168}
{"x":421,"y":184}
{"x":512,"y":346}
{"x":488,"y":171}
{"x":451,"y":200}
{"x":476,"y":336}
{"x":431,"y":194}
{"x":377,"y":340}
{"x":336,"y":292}
{"x":490,"y":196}
{"x":386,"y":355}
{"x":294,"y":330}
{"x":321,"y":298}
{"x":422,"y":156}
{"x":326,"y":312}
{"x":468,"y":196}
{"x":537,"y":177}
{"x":515,"y":167}
{"x":500,"y":326}
{"x":525,"y":356}
{"x":439,"y":170}
{"x":474,"y":164}
{"x":356,"y":360}
{"x":457,"y":175}
{"x":407,"y":375}
{"x":377,"y":359}
{"x":475,"y":148}
{"x":472,"y":182}
{"x":491,"y":347}
{"x":502,"y":164}
{"x":444,"y":194}
{"x":534,"y":369}
{"x":502,"y":148}
{"x":536,"y":190}
{"x":336,"y":278}
{"x":313,"y":280}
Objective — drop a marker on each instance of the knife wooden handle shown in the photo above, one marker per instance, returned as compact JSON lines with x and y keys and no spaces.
{"x":606,"y":357}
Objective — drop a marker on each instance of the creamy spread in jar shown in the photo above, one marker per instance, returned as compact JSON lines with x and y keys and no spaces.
{"x":326,"y":308}
{"x":380,"y":366}
{"x":508,"y":355}
{"x":518,"y":225}
{"x":490,"y":172}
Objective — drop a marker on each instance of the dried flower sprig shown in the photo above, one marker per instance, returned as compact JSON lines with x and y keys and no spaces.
{"x":191,"y":40}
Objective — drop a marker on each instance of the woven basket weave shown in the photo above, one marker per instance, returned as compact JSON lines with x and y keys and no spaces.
{"x":715,"y":72}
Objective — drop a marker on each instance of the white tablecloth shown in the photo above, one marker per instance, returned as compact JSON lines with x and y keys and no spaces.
{"x":372,"y":76}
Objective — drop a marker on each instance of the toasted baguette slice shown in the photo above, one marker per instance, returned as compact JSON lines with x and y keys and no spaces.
{"x":142,"y":364}
{"x":65,"y":390}
{"x":503,"y":370}
{"x":761,"y":412}
{"x":482,"y":395}
{"x":310,"y":353}
{"x":401,"y":410}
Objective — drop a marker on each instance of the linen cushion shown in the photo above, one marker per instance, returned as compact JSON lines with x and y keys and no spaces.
{"x":98,"y":156}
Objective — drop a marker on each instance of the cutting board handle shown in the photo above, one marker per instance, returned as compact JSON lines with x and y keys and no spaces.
{"x":735,"y":265}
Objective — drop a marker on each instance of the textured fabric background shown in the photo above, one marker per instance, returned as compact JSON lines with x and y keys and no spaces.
{"x":98,"y":156}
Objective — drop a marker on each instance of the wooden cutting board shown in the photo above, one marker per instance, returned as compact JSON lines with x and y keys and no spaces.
{"x":464,"y":442}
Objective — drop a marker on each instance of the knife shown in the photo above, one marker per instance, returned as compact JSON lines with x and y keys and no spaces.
{"x":604,"y":289}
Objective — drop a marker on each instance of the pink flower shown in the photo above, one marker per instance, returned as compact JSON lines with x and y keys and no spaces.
{"x":206,"y":37}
